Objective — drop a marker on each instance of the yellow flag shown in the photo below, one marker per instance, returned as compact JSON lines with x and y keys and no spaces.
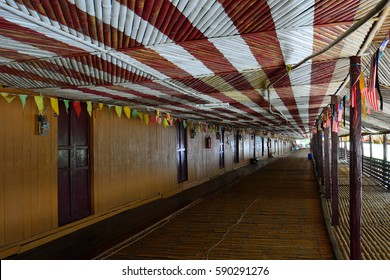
{"x":8,"y":98}
{"x":165,"y":122}
{"x":146,"y":119}
{"x":361,"y":81}
{"x":141,"y":115}
{"x":127,"y":111}
{"x":364,"y":106}
{"x":118,"y":110}
{"x":54,"y":105}
{"x":89,"y":108}
{"x":101,"y":106}
{"x":39,"y":102}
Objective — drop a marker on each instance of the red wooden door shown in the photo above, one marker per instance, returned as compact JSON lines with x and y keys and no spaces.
{"x":74,"y":191}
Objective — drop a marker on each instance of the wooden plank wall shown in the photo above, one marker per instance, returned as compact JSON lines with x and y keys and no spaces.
{"x":131,"y":163}
{"x":28,"y":173}
{"x":132,"y":160}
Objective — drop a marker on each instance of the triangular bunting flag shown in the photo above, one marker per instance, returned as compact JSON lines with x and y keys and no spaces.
{"x":77,"y":107}
{"x":146,"y":119}
{"x":109,"y":109}
{"x":152,"y":120}
{"x":134,"y":113}
{"x":8,"y":98}
{"x":66,"y":103}
{"x":141,"y":116}
{"x":23,"y":99}
{"x":89,"y":108}
{"x":184,"y":124}
{"x":54,"y":105}
{"x":39,"y":103}
{"x":165,"y":122}
{"x":118,"y":110}
{"x":169,"y":119}
{"x":127,"y":111}
{"x":101,"y":106}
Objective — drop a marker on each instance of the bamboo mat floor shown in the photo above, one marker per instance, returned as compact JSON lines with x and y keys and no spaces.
{"x":273,"y":213}
{"x":375,"y":240}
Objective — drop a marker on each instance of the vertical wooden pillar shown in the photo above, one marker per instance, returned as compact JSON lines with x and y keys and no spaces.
{"x":355,"y":165}
{"x":327,"y":163}
{"x":335,"y":170}
{"x":384,"y":170}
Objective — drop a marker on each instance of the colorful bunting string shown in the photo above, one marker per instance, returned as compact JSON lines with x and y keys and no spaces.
{"x":148,"y":119}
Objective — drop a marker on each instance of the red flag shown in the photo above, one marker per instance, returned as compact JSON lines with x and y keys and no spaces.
{"x":353,"y":96}
{"x":77,"y":107}
{"x":371,"y":93}
{"x":340,"y":113}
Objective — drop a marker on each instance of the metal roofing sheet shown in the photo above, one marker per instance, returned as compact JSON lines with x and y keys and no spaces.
{"x":176,"y":54}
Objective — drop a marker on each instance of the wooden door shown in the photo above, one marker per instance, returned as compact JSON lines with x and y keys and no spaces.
{"x":222,"y":149}
{"x":236,"y":147}
{"x":182,"y":153}
{"x":74,"y":189}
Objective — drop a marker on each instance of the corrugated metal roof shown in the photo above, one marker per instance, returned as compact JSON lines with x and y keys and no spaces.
{"x":178,"y":54}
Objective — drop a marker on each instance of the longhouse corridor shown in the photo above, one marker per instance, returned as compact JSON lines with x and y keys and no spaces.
{"x":271,"y":210}
{"x":273,"y":213}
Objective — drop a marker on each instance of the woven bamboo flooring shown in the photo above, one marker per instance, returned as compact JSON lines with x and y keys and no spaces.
{"x":273,"y":213}
{"x":375,"y":218}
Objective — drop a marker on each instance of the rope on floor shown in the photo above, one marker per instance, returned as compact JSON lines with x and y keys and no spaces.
{"x":206,"y":257}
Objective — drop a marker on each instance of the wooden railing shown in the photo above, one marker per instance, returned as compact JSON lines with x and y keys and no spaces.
{"x":377,"y":169}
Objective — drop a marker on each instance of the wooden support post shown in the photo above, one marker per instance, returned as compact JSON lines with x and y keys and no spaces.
{"x":355,"y":166}
{"x":335,"y":170}
{"x":327,"y":163}
{"x":384,"y":169}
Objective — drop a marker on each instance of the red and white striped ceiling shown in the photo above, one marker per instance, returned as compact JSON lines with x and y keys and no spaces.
{"x":186,"y":57}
